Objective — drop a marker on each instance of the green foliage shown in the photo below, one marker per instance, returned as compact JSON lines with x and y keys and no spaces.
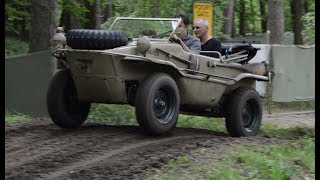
{"x":16,"y":11}
{"x":18,"y":17}
{"x":287,"y":15}
{"x":308,"y":32}
{"x":218,"y":18}
{"x":15,"y":47}
{"x":14,"y":117}
{"x":75,"y":8}
{"x":253,"y":17}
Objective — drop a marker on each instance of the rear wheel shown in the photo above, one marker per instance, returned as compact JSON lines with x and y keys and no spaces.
{"x":157,"y":104}
{"x":64,"y":107}
{"x":244,"y":113}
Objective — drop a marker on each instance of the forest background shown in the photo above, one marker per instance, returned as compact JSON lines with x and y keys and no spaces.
{"x":232,"y":18}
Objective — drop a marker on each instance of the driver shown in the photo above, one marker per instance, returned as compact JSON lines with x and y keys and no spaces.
{"x":189,"y":43}
{"x":149,"y":32}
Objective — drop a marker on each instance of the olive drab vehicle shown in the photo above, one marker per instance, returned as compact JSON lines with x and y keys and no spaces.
{"x":136,"y":62}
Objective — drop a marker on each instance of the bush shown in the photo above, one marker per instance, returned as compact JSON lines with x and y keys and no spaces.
{"x":14,"y":47}
{"x":309,"y":28}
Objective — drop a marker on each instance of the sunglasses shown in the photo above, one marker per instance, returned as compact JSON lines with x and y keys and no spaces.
{"x":196,"y":27}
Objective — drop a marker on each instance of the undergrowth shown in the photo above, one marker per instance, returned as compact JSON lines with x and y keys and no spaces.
{"x":14,"y":47}
{"x":293,"y":159}
{"x":13,"y":117}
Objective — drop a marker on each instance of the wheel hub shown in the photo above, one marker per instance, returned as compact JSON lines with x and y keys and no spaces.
{"x":249,"y":115}
{"x":164,"y":104}
{"x":160,"y":103}
{"x":246,"y":117}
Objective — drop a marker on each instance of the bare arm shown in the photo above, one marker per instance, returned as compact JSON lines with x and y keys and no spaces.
{"x":179,"y":40}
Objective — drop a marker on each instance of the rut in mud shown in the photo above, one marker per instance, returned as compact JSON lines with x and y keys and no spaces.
{"x":39,"y":149}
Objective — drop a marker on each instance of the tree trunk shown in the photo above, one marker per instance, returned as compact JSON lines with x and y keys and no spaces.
{"x":94,"y":14}
{"x":242,"y":12}
{"x":69,"y":21}
{"x":252,"y":17}
{"x":306,"y":6}
{"x":43,"y":24}
{"x":228,"y":16}
{"x":108,"y":11}
{"x":264,"y":17}
{"x":156,"y":7}
{"x":296,"y":12}
{"x":24,"y":31}
{"x":233,"y":33}
{"x":97,"y":8}
{"x":276,"y":21}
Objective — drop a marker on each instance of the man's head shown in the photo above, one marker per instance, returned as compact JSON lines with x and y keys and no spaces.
{"x":185,"y":20}
{"x":200,"y":27}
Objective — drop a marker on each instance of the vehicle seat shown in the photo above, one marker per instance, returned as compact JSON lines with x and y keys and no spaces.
{"x":241,"y":49}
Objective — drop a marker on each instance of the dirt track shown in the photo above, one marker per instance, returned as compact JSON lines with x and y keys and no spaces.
{"x":39,"y":149}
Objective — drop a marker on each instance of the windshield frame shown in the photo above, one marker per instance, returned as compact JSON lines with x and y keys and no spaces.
{"x":147,"y":19}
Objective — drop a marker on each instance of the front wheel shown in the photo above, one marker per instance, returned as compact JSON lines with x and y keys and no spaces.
{"x":64,"y":107}
{"x":157,"y":104}
{"x":244,"y":113}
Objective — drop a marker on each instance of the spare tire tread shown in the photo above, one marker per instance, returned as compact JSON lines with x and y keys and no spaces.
{"x":95,"y":39}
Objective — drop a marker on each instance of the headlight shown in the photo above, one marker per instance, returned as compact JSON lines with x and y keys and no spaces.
{"x":58,"y":41}
{"x":143,"y":44}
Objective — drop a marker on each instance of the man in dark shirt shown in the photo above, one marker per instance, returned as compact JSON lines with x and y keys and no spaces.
{"x":189,"y":43}
{"x":208,"y":43}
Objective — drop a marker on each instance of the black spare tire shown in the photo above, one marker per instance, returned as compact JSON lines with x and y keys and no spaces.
{"x":95,"y":39}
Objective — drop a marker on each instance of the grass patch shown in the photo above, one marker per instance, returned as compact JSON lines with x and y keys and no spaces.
{"x":290,"y":133}
{"x":293,"y":159}
{"x":14,"y":117}
{"x":174,"y":164}
{"x":113,"y":114}
{"x":14,"y":47}
{"x":125,"y":115}
{"x":214,"y":124}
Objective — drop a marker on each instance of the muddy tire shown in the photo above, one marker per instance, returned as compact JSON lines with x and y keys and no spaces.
{"x":157,"y":104}
{"x":244,"y":113}
{"x":95,"y":39}
{"x":64,"y":107}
